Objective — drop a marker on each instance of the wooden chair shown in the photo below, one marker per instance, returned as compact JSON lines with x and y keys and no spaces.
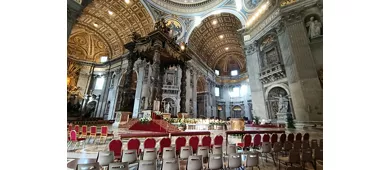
{"x":103,"y":134}
{"x":92,"y":133}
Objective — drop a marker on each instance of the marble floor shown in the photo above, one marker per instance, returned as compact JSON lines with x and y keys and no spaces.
{"x":90,"y":148}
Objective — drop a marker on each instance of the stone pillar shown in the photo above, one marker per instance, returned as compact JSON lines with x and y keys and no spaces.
{"x":194,"y":94}
{"x":155,"y":74}
{"x":145,"y":87}
{"x":226,"y":97}
{"x":213,"y":100}
{"x":257,"y":91}
{"x":183,"y":86}
{"x":137,"y":101}
{"x":305,"y":87}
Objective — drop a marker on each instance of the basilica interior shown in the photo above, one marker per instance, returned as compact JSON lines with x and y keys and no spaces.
{"x":244,"y":76}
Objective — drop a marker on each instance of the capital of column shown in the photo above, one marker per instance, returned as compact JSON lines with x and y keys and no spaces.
{"x":251,"y":48}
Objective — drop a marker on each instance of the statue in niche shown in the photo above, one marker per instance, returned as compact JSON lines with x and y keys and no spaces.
{"x":282,"y":104}
{"x":314,"y":28}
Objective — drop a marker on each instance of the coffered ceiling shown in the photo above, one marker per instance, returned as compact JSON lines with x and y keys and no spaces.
{"x":105,"y":26}
{"x":218,"y":43}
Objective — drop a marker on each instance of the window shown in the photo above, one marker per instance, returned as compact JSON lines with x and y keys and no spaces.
{"x":103,"y":59}
{"x":217,"y":72}
{"x":235,"y":92}
{"x":216,"y":91}
{"x":99,"y":83}
{"x":244,"y":90}
{"x":234,"y":72}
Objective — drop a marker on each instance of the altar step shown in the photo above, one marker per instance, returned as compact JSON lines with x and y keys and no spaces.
{"x":153,"y":126}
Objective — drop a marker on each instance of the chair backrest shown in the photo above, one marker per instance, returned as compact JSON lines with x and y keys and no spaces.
{"x":203,"y":150}
{"x":164,"y":142}
{"x":252,"y":159}
{"x":149,"y":154}
{"x":318,"y":153}
{"x":104,"y":131}
{"x":278,"y":147}
{"x":234,"y":160}
{"x":266,"y":138}
{"x":215,"y":161}
{"x":206,"y":141}
{"x":84,"y":130}
{"x":266,"y":147}
{"x":150,"y":143}
{"x":307,"y":155}
{"x":314,"y":144}
{"x":290,"y":137}
{"x":185,"y":152}
{"x":194,"y":142}
{"x":306,"y":137}
{"x":287,"y":146}
{"x":129,"y":156}
{"x":217,"y":149}
{"x":180,"y":141}
{"x":90,"y":166}
{"x":247,"y":140}
{"x":231,"y":148}
{"x":294,"y":156}
{"x":298,"y":137}
{"x":133,"y":144}
{"x":77,"y":128}
{"x":305,"y":144}
{"x":194,"y":162}
{"x":168,"y":153}
{"x":116,"y":147}
{"x":105,"y":158}
{"x":282,"y":138}
{"x":257,"y":140}
{"x":297,"y":145}
{"x":274,"y":138}
{"x":92,"y":130}
{"x":73,"y":135}
{"x":147,"y":165}
{"x":118,"y":166}
{"x":170,"y":164}
{"x":70,"y":127}
{"x":218,"y":140}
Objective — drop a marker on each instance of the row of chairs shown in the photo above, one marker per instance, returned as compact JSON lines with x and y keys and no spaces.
{"x":258,"y":139}
{"x":75,"y":136}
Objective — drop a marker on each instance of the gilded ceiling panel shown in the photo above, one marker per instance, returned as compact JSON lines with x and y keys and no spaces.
{"x":113,"y":21}
{"x":218,"y":43}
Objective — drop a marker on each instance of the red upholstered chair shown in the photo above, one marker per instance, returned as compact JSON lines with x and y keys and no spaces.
{"x":247,"y":139}
{"x":306,"y":137}
{"x":298,"y":137}
{"x":218,"y":140}
{"x":77,"y":129}
{"x":274,"y":138}
{"x":73,"y":138}
{"x":92,"y":133}
{"x":134,"y":144}
{"x":256,"y":141}
{"x":206,"y":141}
{"x":116,"y":147}
{"x":180,"y":141}
{"x":70,"y":127}
{"x":290,"y":137}
{"x":150,"y":143}
{"x":103,"y":134}
{"x":282,"y":138}
{"x":164,"y":142}
{"x":266,"y":138}
{"x":194,"y":143}
{"x":84,"y":131}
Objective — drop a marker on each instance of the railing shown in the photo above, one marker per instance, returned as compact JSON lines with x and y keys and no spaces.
{"x":273,"y":73}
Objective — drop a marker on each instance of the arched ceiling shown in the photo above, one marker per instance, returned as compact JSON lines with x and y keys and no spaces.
{"x":186,"y":7}
{"x":107,"y":26}
{"x":222,"y":53}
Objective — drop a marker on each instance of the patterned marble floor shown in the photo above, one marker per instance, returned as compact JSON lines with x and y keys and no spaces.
{"x":90,"y":148}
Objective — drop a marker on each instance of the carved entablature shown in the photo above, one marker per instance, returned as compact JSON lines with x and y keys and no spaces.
{"x":272,"y":74}
{"x":270,"y":54}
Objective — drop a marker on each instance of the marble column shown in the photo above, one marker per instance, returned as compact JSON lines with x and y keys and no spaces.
{"x":213,"y":100}
{"x":257,"y":91}
{"x":140,"y":79}
{"x":226,"y":98}
{"x":183,"y":86}
{"x":304,"y":84}
{"x":146,"y":87}
{"x":155,"y":73}
{"x":194,"y":94}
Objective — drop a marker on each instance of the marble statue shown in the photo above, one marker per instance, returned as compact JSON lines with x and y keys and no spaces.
{"x":166,"y":107}
{"x":282,"y":104}
{"x":314,"y":28}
